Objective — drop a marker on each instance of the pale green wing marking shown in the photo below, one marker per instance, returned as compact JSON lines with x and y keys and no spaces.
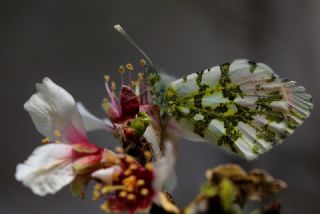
{"x":244,"y":107}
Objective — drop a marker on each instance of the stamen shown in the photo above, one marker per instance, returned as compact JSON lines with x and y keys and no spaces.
{"x":105,"y":207}
{"x":105,"y":104}
{"x":130,"y":68}
{"x":113,"y":86}
{"x":131,"y":197}
{"x":57,"y":133}
{"x":140,"y":182}
{"x":140,"y":76}
{"x":111,"y":188}
{"x":133,"y":83}
{"x":97,"y":186}
{"x":118,"y":149}
{"x":122,"y":194}
{"x":144,"y":191}
{"x":130,"y":188}
{"x":127,"y":172}
{"x":148,"y":155}
{"x":137,"y":88}
{"x":96,"y":195}
{"x":129,"y":182}
{"x":129,"y":159}
{"x":121,"y":71}
{"x":107,"y":78}
{"x":133,"y":166}
{"x":142,"y":63}
{"x":45,"y":141}
{"x":149,"y":166}
{"x":144,"y":85}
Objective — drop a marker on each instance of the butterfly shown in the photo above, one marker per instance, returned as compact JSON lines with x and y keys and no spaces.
{"x":242,"y":106}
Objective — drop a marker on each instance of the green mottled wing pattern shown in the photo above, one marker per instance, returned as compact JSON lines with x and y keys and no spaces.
{"x":243,"y":106}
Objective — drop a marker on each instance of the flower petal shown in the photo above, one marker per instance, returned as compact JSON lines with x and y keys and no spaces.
{"x":153,"y":137}
{"x":47,"y":170}
{"x":91,"y":122}
{"x":53,"y":108}
{"x":164,"y":169}
{"x":106,"y":174}
{"x":129,"y":102}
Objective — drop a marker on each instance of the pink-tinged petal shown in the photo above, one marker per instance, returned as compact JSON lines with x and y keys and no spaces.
{"x":52,"y":108}
{"x":87,"y":164}
{"x":85,"y":148}
{"x":71,"y":135}
{"x":112,"y":113}
{"x":129,"y":102}
{"x":91,"y":122}
{"x":144,"y":108}
{"x":47,"y":170}
{"x":106,"y":174}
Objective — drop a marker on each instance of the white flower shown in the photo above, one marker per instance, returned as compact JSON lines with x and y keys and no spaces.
{"x":56,"y":116}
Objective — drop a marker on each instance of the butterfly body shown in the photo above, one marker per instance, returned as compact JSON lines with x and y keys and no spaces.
{"x":243,"y":106}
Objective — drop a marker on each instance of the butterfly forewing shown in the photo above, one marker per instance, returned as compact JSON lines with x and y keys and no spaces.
{"x":242,"y":106}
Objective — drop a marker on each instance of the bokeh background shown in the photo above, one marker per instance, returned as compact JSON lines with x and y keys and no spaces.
{"x":73,"y":42}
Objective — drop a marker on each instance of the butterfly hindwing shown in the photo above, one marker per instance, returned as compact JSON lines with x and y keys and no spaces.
{"x":242,"y":106}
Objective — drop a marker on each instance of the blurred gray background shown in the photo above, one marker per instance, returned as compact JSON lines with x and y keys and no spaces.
{"x":73,"y":43}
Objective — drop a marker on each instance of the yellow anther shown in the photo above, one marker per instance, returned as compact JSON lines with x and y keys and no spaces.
{"x":121,"y":69}
{"x":149,"y":166}
{"x":45,"y":141}
{"x":140,"y":182}
{"x":122,"y":194}
{"x":129,"y":66}
{"x":111,"y":188}
{"x":105,"y":207}
{"x":113,"y":85}
{"x":106,"y":78}
{"x":130,"y":189}
{"x":129,"y":159}
{"x":133,"y":83}
{"x":131,"y":197}
{"x":142,"y":62}
{"x":148,"y":155}
{"x":95,"y":195}
{"x":57,"y":133}
{"x":119,"y":149}
{"x":130,"y":181}
{"x":144,"y":191}
{"x":97,"y":186}
{"x":115,"y":176}
{"x":127,"y":172}
{"x":140,"y":76}
{"x":133,"y":166}
{"x":57,"y":142}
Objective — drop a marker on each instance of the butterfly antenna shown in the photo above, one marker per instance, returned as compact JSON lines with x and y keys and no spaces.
{"x":132,"y":42}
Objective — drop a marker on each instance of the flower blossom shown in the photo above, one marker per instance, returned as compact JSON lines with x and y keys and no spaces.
{"x":66,"y":152}
{"x":131,"y":186}
{"x":136,"y":120}
{"x":129,"y":180}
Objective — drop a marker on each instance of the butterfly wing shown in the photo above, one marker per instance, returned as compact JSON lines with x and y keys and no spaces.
{"x":242,"y":106}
